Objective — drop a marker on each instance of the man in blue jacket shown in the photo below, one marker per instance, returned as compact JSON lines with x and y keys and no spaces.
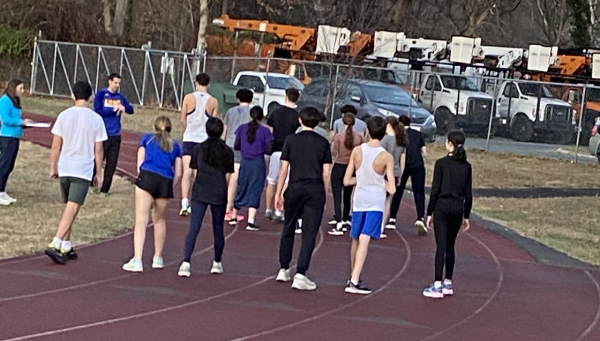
{"x":110,"y":105}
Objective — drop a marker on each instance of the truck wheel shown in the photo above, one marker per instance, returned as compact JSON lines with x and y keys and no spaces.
{"x":521,"y":129}
{"x":444,"y":120}
{"x":272,"y":106}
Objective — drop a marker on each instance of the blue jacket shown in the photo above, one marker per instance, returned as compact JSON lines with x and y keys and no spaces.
{"x":10,"y":118}
{"x":105,"y":103}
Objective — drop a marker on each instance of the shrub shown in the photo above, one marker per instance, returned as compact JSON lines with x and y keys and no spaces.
{"x":14,"y":43}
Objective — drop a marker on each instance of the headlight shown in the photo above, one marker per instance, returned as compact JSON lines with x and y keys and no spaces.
{"x":387,"y":112}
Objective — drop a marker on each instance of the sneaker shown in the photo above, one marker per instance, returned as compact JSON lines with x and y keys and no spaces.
{"x":433,"y":292}
{"x":252,"y":227}
{"x":347,"y":225}
{"x":229,"y":216}
{"x":269,"y":215}
{"x":332,"y":221}
{"x":133,"y":266}
{"x":185,"y":211}
{"x":233,"y":222}
{"x":298,"y":230}
{"x":421,"y":229}
{"x":158,"y":263}
{"x":391,"y":225}
{"x":105,"y":194}
{"x":184,"y":270}
{"x":303,"y":283}
{"x":447,"y":289}
{"x":352,"y":288}
{"x":337,"y":231}
{"x":217,"y":268}
{"x":71,"y":254}
{"x":55,"y":254}
{"x":279,"y":218}
{"x":284,"y":275}
{"x":8,"y":197}
{"x":94,"y":190}
{"x":5,"y":201}
{"x":383,"y":235}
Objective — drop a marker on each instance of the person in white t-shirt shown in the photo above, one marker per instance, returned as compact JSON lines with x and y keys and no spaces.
{"x":76,"y":148}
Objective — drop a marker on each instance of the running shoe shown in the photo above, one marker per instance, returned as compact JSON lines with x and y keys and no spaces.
{"x":232,"y":222}
{"x":346,"y":226}
{"x":352,"y":288}
{"x":55,"y":254}
{"x":71,"y":254}
{"x":283,"y":275}
{"x":332,"y":221}
{"x":133,"y":266}
{"x":421,"y":229}
{"x":217,"y":268}
{"x":433,"y":292}
{"x":383,"y":235}
{"x":229,"y":217}
{"x":184,"y":270}
{"x":185,"y":211}
{"x":447,"y":289}
{"x":158,"y":263}
{"x":252,"y":227}
{"x":391,"y":224}
{"x":269,"y":215}
{"x":303,"y":283}
{"x":337,"y":231}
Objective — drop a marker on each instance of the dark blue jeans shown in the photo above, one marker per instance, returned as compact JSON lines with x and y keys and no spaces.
{"x":9,"y":148}
{"x":218,"y":217}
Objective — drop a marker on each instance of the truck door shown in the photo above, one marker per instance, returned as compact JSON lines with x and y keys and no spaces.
{"x":255,"y":84}
{"x":508,"y":94}
{"x":427,"y":96}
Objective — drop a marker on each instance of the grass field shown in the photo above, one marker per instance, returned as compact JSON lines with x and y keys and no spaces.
{"x":567,"y":224}
{"x":28,"y":225}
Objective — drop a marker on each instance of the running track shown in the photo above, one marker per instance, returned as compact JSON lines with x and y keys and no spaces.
{"x":502,"y":293}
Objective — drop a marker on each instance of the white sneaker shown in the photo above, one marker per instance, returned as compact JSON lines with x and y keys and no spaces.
{"x":8,"y":197}
{"x":298,"y":231}
{"x":133,"y":266}
{"x":184,"y":270}
{"x":217,"y":268}
{"x":158,"y":263}
{"x":5,"y":199}
{"x":284,"y":275}
{"x":303,"y":283}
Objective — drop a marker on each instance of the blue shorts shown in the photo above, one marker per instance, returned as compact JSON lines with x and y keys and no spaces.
{"x":369,"y":223}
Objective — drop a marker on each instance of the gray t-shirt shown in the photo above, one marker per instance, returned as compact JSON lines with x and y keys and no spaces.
{"x":234,"y":118}
{"x":389,"y":144}
{"x":359,"y":126}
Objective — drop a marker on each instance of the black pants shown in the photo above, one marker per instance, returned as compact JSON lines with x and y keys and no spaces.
{"x":308,"y":202}
{"x":112,"y":148}
{"x":218,"y":216}
{"x":337,"y":187}
{"x":447,"y":221}
{"x":9,"y":148}
{"x":417,"y":178}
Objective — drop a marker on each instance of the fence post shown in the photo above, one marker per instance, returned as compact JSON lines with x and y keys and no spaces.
{"x":412,"y":90}
{"x":54,"y":69}
{"x":492,"y":114}
{"x":34,"y":62}
{"x":337,"y":72}
{"x":76,"y":62}
{"x":580,"y":123}
{"x":266,"y":84}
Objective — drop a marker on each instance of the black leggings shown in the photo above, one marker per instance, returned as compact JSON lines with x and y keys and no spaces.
{"x":112,"y":148}
{"x":337,"y":187}
{"x":218,"y":216}
{"x":417,"y":179}
{"x":9,"y":148}
{"x":447,"y":221}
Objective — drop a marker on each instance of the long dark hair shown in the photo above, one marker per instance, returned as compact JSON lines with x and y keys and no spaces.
{"x":162,"y":127}
{"x":215,"y":151}
{"x":11,"y":92}
{"x":257,"y":115}
{"x":401,"y":136}
{"x":349,"y":120}
{"x":457,"y":139}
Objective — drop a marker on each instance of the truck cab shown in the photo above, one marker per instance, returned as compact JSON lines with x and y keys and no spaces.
{"x":269,"y":88}
{"x":573,"y":96}
{"x":456,"y":101}
{"x":517,"y":109}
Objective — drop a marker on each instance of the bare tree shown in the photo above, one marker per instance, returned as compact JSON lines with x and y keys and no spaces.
{"x":552,"y":16}
{"x":114,"y":25}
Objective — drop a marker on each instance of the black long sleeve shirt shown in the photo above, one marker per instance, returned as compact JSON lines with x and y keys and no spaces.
{"x":452,"y":181}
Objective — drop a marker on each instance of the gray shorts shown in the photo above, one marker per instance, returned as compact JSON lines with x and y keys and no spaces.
{"x":74,"y":189}
{"x":237,"y":156}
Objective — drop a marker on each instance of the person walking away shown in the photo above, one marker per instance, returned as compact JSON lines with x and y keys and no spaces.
{"x":234,"y":118}
{"x":308,"y":156}
{"x":11,"y":132}
{"x":343,"y":144}
{"x":197,"y":108}
{"x":159,"y":169}
{"x":394,"y":142}
{"x":77,"y":145}
{"x":415,"y":170}
{"x":283,"y":122}
{"x":449,"y":209}
{"x":213,"y":162}
{"x":254,"y":141}
{"x":359,"y":126}
{"x":371,"y":164}
{"x":110,"y":105}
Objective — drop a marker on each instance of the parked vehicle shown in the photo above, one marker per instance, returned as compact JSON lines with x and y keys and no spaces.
{"x":370,"y":98}
{"x":269,"y":88}
{"x":594,"y":142}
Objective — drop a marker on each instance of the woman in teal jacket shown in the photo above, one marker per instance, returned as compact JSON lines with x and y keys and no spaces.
{"x":10,"y":134}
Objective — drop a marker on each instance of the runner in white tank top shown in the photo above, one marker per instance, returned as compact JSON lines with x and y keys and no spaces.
{"x":196,"y":121}
{"x":369,"y":162}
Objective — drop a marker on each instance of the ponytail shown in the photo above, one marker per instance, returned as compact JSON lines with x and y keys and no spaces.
{"x":399,"y":131}
{"x":162,"y":126}
{"x":257,"y":115}
{"x":457,"y":139}
{"x":349,"y":120}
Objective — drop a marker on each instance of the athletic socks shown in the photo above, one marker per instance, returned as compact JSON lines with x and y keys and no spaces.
{"x":250,"y":221}
{"x":299,"y":223}
{"x":57,"y":242}
{"x":185,"y":203}
{"x":66,"y":246}
{"x":447,"y":281}
{"x":438,"y":284}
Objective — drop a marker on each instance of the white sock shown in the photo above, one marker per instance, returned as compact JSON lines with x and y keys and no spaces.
{"x":447,"y":281}
{"x":185,"y":203}
{"x":66,"y":245}
{"x":300,"y":223}
{"x":250,"y":221}
{"x":57,"y":242}
{"x":438,"y":284}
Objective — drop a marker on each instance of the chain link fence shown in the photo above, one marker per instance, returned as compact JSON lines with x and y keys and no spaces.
{"x":499,"y":114}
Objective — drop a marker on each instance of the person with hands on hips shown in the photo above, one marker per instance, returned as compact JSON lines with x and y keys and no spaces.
{"x":449,"y":210}
{"x":110,"y":105}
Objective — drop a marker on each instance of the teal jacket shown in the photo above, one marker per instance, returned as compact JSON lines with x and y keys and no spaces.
{"x":10,"y":118}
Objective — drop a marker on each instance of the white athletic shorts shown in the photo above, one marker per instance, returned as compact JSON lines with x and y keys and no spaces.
{"x":275,"y":168}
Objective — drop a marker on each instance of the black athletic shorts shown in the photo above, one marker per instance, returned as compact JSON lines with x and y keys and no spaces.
{"x":187,"y":147}
{"x":157,"y":185}
{"x":74,"y":189}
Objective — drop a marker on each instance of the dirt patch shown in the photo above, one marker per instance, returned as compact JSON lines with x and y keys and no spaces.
{"x":28,"y":225}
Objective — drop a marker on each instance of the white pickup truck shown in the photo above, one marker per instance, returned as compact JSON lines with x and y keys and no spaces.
{"x":269,"y":88}
{"x":455,"y":102}
{"x":518,"y":112}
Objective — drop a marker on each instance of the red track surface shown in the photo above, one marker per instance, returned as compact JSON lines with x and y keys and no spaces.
{"x":501,"y":293}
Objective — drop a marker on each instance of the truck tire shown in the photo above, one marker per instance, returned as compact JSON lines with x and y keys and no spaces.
{"x":444,"y":120}
{"x":521,"y":129}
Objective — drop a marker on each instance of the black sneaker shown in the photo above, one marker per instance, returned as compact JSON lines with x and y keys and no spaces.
{"x":332,"y":221}
{"x":352,"y":288}
{"x":71,"y":254}
{"x":56,"y":256}
{"x":391,"y":224}
{"x":252,"y":227}
{"x":233,"y":221}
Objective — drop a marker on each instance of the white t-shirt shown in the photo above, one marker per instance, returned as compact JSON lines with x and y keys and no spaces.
{"x":80,"y":129}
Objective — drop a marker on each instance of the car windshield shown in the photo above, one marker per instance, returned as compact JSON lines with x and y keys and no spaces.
{"x":386,"y":76}
{"x":283,"y":83}
{"x":458,"y":83}
{"x":532,"y":89}
{"x":389,"y":95}
{"x":592,"y":94}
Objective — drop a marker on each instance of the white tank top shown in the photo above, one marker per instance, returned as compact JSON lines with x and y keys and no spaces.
{"x":196,"y":121}
{"x":369,"y":194}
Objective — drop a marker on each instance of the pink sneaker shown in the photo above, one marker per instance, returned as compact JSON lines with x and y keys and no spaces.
{"x":229,"y":216}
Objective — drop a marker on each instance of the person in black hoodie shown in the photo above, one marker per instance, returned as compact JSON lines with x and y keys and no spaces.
{"x":449,"y":210}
